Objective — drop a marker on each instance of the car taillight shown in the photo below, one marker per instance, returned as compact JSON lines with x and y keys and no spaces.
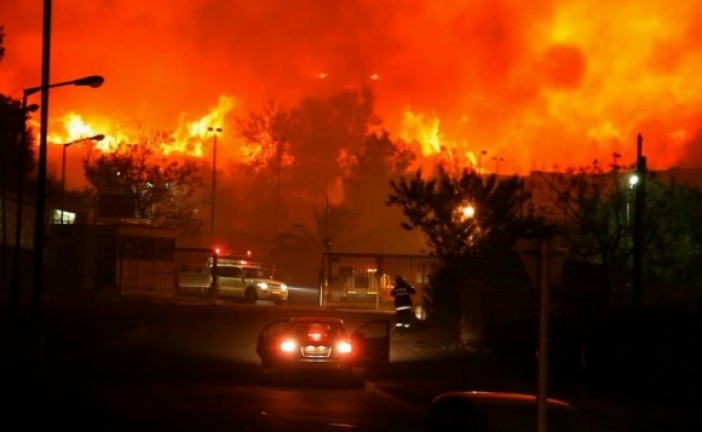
{"x":288,"y":346}
{"x":344,"y":347}
{"x":315,"y":336}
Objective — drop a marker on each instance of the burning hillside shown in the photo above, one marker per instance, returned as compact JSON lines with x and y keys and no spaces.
{"x":497,"y":85}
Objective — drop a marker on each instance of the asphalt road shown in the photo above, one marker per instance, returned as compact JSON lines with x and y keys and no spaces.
{"x":191,"y":365}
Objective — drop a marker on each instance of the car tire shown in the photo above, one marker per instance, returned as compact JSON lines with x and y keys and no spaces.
{"x":250,"y":296}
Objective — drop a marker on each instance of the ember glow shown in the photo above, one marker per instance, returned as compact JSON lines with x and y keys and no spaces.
{"x":532,"y":85}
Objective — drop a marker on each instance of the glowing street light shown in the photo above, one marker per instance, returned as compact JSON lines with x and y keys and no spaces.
{"x":633,"y":180}
{"x":466,"y":212}
{"x":65,"y":146}
{"x":465,"y":215}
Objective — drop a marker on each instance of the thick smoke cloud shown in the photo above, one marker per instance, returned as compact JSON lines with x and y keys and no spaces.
{"x":539,"y":83}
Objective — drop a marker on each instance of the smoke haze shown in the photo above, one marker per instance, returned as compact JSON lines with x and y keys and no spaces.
{"x":537,"y":84}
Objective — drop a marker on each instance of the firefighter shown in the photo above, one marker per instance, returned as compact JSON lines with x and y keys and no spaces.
{"x":402,"y":292}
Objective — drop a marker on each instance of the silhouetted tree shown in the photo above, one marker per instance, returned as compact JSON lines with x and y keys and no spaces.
{"x":435,"y":206}
{"x":266,"y":157}
{"x":595,"y":207}
{"x":673,"y":232}
{"x":16,"y":164}
{"x":298,"y":250}
{"x":366,"y":179}
{"x":469,"y":245}
{"x":164,"y":191}
{"x":295,"y":158}
{"x":320,"y":131}
{"x":12,"y":120}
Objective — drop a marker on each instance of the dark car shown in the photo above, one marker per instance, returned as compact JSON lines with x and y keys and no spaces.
{"x":482,"y":411}
{"x":322,"y":343}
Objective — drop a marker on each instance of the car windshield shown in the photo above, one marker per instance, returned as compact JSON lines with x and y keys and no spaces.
{"x":317,"y":330}
{"x":252,"y":272}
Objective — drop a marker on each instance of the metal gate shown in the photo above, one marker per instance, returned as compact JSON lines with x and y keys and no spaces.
{"x":364,"y":281}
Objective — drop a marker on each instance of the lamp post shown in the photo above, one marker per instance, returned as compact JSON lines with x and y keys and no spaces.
{"x":638,"y":227}
{"x":480,"y":160}
{"x":497,"y":161}
{"x":327,"y":244}
{"x":65,"y":146}
{"x":215,"y":131}
{"x":91,"y":81}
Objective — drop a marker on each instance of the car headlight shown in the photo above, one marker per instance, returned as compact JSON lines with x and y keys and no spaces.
{"x":262,"y":285}
{"x":283,"y":287}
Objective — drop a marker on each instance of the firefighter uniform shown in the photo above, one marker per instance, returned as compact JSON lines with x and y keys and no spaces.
{"x":402,"y":292}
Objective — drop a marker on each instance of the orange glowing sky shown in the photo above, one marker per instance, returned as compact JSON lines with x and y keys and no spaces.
{"x":537,"y":84}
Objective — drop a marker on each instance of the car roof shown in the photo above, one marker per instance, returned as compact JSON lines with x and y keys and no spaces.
{"x":316,"y":319}
{"x":490,"y":397}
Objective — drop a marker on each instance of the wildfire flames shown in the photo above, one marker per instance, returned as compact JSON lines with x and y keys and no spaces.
{"x":477,"y":83}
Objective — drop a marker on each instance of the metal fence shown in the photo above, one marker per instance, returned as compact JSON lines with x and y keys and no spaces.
{"x":190,"y":261}
{"x":364,"y":281}
{"x":145,"y":265}
{"x":152,"y":268}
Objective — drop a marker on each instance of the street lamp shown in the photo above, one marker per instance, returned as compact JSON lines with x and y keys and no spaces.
{"x":633,"y":180}
{"x":39,"y":222}
{"x":497,"y":161}
{"x":65,"y":146}
{"x":93,"y":81}
{"x":215,"y":130}
{"x":480,"y":160}
{"x":466,"y":211}
{"x":465,"y":214}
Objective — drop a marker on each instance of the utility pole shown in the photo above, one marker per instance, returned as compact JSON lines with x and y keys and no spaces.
{"x":215,"y":131}
{"x":638,"y":228}
{"x":326,"y":244}
{"x":278,"y":173}
{"x":543,"y":342}
{"x":543,"y":261}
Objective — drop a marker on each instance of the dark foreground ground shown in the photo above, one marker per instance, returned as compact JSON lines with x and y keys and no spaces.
{"x":636,"y":371}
